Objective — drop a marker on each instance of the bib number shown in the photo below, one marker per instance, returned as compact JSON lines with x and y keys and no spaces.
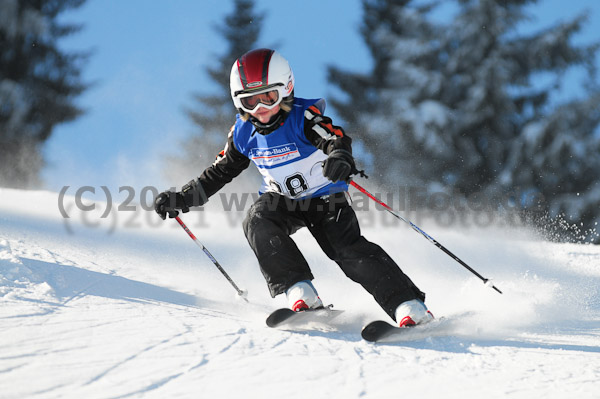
{"x":296,"y":184}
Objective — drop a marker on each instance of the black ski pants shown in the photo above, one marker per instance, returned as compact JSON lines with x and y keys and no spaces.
{"x":332,"y":221}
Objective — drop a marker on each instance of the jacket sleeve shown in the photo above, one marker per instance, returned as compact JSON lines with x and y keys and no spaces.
{"x":228,"y":164}
{"x":322,"y":133}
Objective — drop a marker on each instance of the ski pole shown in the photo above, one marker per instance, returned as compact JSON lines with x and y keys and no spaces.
{"x":427,"y":236}
{"x":241,"y":293}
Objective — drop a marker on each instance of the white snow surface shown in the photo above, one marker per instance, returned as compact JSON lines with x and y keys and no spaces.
{"x":128,"y":307}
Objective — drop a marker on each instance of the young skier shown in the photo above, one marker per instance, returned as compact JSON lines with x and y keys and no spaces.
{"x":306,"y":162}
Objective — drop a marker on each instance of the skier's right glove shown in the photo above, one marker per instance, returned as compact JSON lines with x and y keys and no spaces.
{"x":170,"y":202}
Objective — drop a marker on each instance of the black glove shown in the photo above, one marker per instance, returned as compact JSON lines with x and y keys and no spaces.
{"x":338,"y":166}
{"x":169,"y":202}
{"x":192,"y":194}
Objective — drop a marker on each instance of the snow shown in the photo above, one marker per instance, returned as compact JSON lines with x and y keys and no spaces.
{"x":128,"y":307}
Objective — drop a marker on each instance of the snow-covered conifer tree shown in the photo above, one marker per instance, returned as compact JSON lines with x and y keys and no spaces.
{"x":459,"y":105}
{"x":38,"y":84}
{"x":379,"y":107}
{"x":213,"y":114}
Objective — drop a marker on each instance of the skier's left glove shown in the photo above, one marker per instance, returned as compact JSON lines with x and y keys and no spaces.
{"x":338,"y":166}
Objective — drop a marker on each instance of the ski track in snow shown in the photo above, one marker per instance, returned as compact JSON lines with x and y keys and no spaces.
{"x":142,"y":313}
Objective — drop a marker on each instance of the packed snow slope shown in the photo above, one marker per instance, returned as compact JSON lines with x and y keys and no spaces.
{"x":126,"y":306}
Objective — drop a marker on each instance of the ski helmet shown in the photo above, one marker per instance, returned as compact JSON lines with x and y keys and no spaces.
{"x":260,"y":78}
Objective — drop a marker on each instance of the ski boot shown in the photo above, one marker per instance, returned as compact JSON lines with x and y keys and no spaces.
{"x":411,"y":313}
{"x":302,"y":296}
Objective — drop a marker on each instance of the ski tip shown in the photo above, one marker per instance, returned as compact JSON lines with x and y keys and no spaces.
{"x":376,"y":330}
{"x":287,"y":316}
{"x":279,"y":316}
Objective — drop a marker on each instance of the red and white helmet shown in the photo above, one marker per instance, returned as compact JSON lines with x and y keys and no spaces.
{"x":260,"y":78}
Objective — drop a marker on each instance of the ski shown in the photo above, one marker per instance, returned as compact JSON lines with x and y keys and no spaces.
{"x":286,"y":316}
{"x":382,"y":331}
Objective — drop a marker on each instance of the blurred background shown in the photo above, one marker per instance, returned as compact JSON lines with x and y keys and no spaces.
{"x":463,"y":97}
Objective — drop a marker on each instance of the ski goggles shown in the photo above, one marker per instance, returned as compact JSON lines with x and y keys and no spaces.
{"x":268,"y":98}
